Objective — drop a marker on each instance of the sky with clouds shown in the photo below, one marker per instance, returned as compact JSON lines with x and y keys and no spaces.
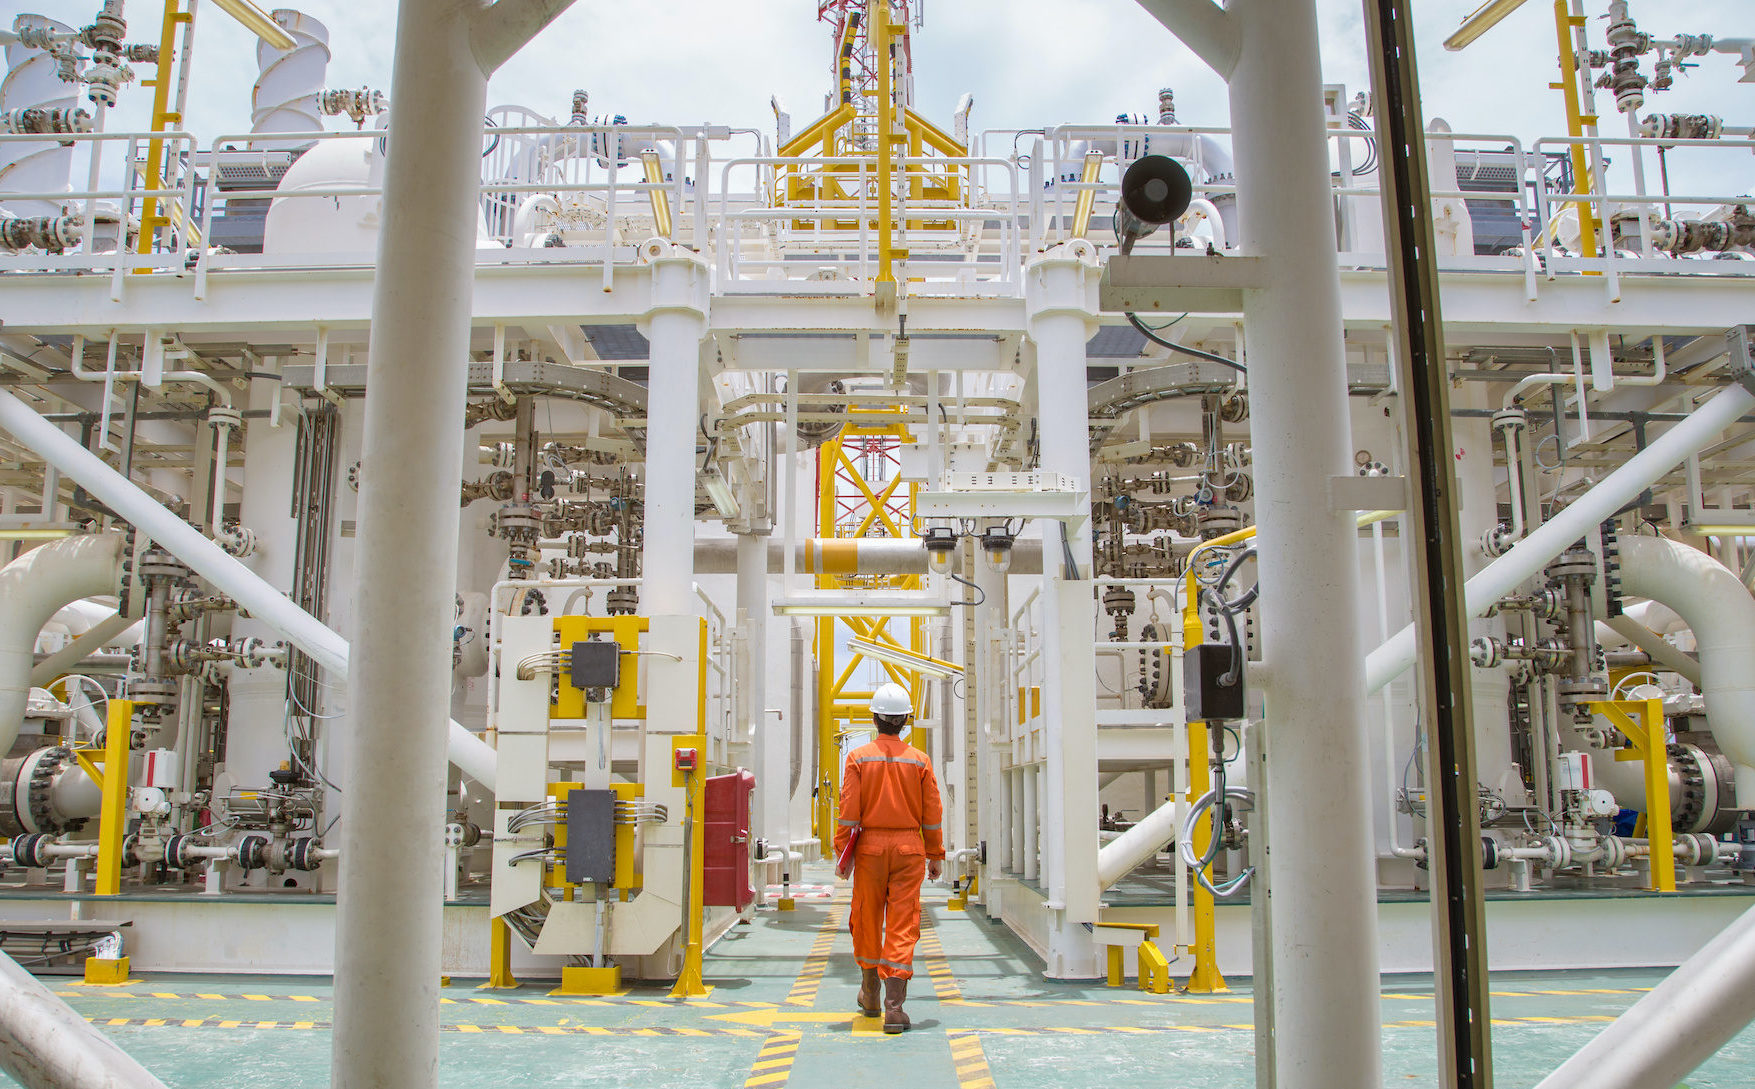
{"x":1028,"y":63}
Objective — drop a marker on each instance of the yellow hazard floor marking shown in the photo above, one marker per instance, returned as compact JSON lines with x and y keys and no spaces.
{"x":816,"y":962}
{"x":445,"y":1000}
{"x":932,"y":953}
{"x":773,"y":1065}
{"x":969,"y":1060}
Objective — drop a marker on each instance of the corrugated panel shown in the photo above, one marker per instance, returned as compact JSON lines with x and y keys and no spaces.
{"x":616,"y":342}
{"x":1115,"y":342}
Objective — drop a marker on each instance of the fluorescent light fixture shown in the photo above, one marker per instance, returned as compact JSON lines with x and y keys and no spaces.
{"x":1723,"y":522}
{"x":27,"y":533}
{"x":862,"y":603}
{"x":720,"y":491}
{"x":257,"y":22}
{"x":1485,"y":18}
{"x":905,"y":658}
{"x":1719,"y":529}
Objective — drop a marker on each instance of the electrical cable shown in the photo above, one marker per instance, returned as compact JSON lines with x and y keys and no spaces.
{"x":972,"y":604}
{"x":1070,"y":566}
{"x":1147,"y":332}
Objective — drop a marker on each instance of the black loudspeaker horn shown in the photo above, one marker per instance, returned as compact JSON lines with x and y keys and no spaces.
{"x":1155,"y":190}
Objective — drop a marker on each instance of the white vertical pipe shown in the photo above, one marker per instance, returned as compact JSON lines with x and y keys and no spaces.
{"x":773,"y":735}
{"x":1325,"y":947}
{"x":399,"y":693}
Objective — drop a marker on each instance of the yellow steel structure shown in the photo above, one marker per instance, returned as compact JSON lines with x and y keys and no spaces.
{"x":1206,"y":977}
{"x":112,"y":781}
{"x":500,"y":955}
{"x":1651,"y":747}
{"x":1578,"y":123}
{"x":689,"y":983}
{"x":852,"y":504}
{"x":178,"y":17}
{"x":871,"y":131}
{"x":1087,"y":197}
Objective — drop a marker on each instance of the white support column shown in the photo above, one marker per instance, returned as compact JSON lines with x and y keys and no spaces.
{"x":1325,"y":948}
{"x":773,"y":756}
{"x":674,"y":327}
{"x":1060,"y":294}
{"x":399,"y":697}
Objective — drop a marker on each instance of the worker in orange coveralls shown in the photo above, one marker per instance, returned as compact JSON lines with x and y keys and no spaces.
{"x":890,"y":802}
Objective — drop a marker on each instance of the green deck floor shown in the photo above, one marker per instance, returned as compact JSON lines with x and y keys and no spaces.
{"x":981,"y":1011}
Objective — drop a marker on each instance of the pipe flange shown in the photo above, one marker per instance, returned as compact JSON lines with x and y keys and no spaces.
{"x":1559,"y":852}
{"x":176,"y":851}
{"x":1513,"y":419}
{"x":224,"y":416}
{"x":27,"y":850}
{"x":1155,"y":685}
{"x":301,"y":854}
{"x":1614,"y":852}
{"x":251,"y":853}
{"x":157,"y":563}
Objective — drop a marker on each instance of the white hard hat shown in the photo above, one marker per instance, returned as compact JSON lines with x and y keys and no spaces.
{"x":891,"y":699}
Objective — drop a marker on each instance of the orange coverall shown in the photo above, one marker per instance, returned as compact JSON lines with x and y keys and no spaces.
{"x":889,"y":792}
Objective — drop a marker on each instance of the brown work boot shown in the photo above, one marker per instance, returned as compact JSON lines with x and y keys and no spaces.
{"x":895,"y":993}
{"x":868,"y":993}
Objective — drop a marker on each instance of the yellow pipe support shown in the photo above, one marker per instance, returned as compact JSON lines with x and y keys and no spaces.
{"x":1651,"y":748}
{"x":1087,"y":197}
{"x":113,"y":816}
{"x":1564,"y":24}
{"x":660,"y":199}
{"x":500,"y":955}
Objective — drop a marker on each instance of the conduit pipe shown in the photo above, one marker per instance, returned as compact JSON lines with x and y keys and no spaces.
{"x":1691,"y":1014}
{"x":1525,"y":559}
{"x":34,"y":588}
{"x":1117,"y":858}
{"x":45,"y":1045}
{"x":1662,"y":653}
{"x":1717,"y":606}
{"x":254,"y":595}
{"x":849,"y":556}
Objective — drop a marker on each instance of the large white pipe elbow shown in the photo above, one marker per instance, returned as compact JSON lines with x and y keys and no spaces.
{"x":1719,"y":609}
{"x":34,"y":588}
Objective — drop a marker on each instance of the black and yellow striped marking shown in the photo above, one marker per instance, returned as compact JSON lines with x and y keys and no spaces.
{"x":470,"y":1000}
{"x":970,"y":1060}
{"x":773,"y":1065}
{"x":932,"y":954}
{"x":816,"y":962}
{"x":506,"y":1030}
